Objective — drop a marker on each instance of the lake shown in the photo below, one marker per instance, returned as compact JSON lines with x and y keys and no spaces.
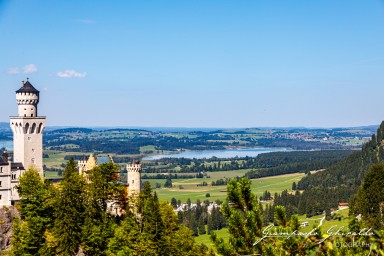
{"x":225,"y":153}
{"x":8,"y":144}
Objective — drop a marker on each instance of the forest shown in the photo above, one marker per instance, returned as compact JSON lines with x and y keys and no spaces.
{"x":263,"y":165}
{"x":339,"y":183}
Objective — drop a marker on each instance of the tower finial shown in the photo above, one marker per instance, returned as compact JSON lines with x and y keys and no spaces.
{"x":27,"y":78}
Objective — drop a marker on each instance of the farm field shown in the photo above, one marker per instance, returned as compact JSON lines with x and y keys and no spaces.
{"x":189,"y":188}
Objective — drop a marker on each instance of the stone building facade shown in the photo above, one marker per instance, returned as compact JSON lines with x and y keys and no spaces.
{"x":134,"y":178}
{"x":27,"y":128}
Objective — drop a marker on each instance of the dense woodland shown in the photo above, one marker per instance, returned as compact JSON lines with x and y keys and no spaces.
{"x":324,"y":190}
{"x":198,"y":218}
{"x":251,"y":234}
{"x":75,"y":217}
{"x":266,"y":164}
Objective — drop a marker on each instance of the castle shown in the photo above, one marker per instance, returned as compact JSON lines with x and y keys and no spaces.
{"x":133,"y":185}
{"x":28,"y":128}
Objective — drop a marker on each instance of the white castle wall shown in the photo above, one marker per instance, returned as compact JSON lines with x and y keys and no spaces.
{"x":134,"y":179}
{"x":5,"y":184}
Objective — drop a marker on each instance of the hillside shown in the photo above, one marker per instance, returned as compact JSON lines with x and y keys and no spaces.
{"x":324,"y":190}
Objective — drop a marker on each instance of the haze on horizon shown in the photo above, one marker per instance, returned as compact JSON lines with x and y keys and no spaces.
{"x":197,"y":63}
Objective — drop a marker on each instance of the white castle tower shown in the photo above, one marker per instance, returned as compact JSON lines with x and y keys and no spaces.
{"x":28,"y":129}
{"x":134,"y":179}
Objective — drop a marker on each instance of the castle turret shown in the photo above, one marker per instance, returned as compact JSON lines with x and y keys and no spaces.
{"x":134,"y":179}
{"x":28,"y":129}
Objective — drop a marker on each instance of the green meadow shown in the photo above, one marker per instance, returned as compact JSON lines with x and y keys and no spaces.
{"x":187,"y":188}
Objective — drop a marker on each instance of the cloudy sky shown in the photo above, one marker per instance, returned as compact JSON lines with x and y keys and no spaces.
{"x":207,"y":63}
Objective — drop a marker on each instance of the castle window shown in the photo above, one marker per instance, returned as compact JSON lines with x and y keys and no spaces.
{"x":0,"y":183}
{"x":1,"y":169}
{"x":133,"y":181}
{"x":13,"y":176}
{"x":33,"y":160}
{"x":0,"y":197}
{"x":31,"y":115}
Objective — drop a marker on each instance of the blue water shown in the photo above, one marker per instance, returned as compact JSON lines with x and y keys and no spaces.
{"x":8,"y":144}
{"x":226,"y":153}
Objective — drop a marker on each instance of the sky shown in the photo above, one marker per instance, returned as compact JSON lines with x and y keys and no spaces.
{"x":203,"y":63}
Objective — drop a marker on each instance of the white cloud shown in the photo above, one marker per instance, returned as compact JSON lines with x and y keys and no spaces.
{"x":71,"y":73}
{"x":13,"y":71}
{"x":27,"y":69}
{"x":30,"y":68}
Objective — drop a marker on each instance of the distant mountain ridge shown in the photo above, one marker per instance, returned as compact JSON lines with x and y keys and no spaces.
{"x":5,"y":125}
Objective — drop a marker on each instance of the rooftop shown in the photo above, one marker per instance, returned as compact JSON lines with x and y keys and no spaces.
{"x":27,"y":87}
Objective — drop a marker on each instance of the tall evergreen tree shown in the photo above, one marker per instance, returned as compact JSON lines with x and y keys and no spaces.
{"x":244,"y":220}
{"x":36,"y":214}
{"x":369,"y":200}
{"x":103,"y":190}
{"x":69,"y":211}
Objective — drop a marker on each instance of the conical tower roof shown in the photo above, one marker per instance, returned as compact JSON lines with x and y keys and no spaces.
{"x":27,"y":87}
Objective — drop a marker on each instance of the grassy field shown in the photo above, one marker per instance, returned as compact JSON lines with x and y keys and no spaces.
{"x":204,"y":239}
{"x":341,"y":221}
{"x":56,"y":158}
{"x":189,"y":188}
{"x":315,"y":220}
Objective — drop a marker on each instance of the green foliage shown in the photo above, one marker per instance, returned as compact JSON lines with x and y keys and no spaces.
{"x":294,"y":222}
{"x":280,"y":216}
{"x":244,"y":220}
{"x":168,"y":183}
{"x":174,"y":202}
{"x":69,"y":211}
{"x":153,"y":230}
{"x":369,"y":200}
{"x":36,"y":214}
{"x":76,"y":216}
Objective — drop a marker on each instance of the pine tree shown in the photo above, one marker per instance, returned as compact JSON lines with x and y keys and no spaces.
{"x":36,"y":214}
{"x":201,"y":226}
{"x":103,"y":189}
{"x":369,"y":198}
{"x":244,"y":220}
{"x":280,"y":216}
{"x":69,"y":211}
{"x":174,"y":202}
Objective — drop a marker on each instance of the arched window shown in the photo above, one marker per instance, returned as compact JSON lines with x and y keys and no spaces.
{"x":39,"y":129}
{"x":26,"y":128}
{"x":33,"y":128}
